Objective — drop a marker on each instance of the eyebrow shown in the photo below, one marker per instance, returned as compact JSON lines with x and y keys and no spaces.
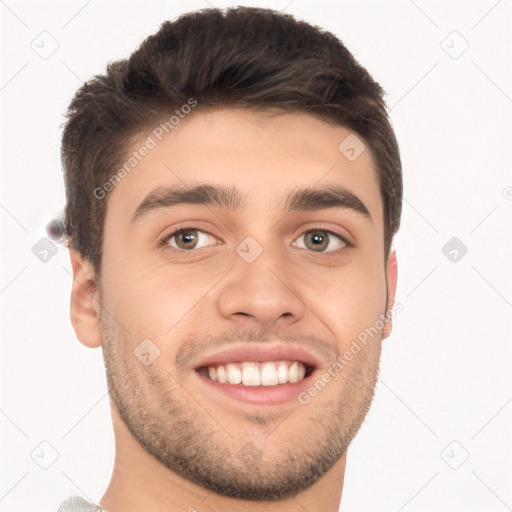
{"x":231,"y":198}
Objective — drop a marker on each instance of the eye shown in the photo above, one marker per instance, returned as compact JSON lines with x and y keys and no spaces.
{"x":186,"y":239}
{"x":318,"y":240}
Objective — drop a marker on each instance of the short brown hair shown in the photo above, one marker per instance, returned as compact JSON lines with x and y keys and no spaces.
{"x":236,"y":57}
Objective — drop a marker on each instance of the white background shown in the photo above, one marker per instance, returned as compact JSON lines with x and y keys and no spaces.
{"x":446,"y":369}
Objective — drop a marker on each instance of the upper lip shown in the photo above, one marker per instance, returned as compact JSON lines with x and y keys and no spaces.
{"x":260,"y":352}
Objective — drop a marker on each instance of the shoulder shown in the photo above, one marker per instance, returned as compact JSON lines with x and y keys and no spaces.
{"x":78,"y":504}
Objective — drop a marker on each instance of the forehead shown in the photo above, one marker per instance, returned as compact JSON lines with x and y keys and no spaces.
{"x":263,"y":155}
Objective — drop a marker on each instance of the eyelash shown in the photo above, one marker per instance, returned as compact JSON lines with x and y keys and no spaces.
{"x":164,"y":242}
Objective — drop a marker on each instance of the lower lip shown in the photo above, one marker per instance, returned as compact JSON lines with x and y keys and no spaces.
{"x":261,"y":395}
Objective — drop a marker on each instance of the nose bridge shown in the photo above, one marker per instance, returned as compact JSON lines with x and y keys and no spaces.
{"x":260,"y":285}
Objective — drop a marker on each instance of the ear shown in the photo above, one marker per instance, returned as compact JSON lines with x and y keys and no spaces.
{"x":84,"y":311}
{"x":392,"y":276}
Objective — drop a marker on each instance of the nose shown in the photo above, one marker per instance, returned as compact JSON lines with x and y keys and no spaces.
{"x":261,"y":293}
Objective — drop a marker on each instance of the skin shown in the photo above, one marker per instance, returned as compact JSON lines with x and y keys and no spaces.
{"x":165,"y":420}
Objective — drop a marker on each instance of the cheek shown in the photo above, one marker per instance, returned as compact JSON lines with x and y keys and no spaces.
{"x":137,"y":296}
{"x":154,"y":302}
{"x":353,"y":301}
{"x":138,"y":302}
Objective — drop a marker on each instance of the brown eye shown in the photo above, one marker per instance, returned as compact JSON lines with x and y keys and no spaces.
{"x":318,"y":240}
{"x":187,"y":239}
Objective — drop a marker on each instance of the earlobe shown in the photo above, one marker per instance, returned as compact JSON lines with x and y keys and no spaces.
{"x":84,"y":311}
{"x":392,"y":277}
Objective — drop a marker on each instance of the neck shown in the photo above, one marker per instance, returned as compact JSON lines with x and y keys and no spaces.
{"x":141,"y":482}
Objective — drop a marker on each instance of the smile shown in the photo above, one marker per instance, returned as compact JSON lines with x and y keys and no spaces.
{"x":248,"y":373}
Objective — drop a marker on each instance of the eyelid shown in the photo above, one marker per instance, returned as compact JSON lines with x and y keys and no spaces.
{"x":164,"y":241}
{"x":319,"y":227}
{"x":329,"y":254}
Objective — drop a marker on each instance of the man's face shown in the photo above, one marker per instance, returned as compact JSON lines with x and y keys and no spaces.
{"x":253,"y":277}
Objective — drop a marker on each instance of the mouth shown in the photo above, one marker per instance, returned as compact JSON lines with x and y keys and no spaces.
{"x":262,"y":375}
{"x":257,"y":373}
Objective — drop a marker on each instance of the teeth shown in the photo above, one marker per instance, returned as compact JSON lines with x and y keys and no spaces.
{"x":293,"y":373}
{"x":221,"y":374}
{"x":282,"y":373}
{"x":233,"y":374}
{"x":301,"y":372}
{"x":268,"y":373}
{"x":251,"y":375}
